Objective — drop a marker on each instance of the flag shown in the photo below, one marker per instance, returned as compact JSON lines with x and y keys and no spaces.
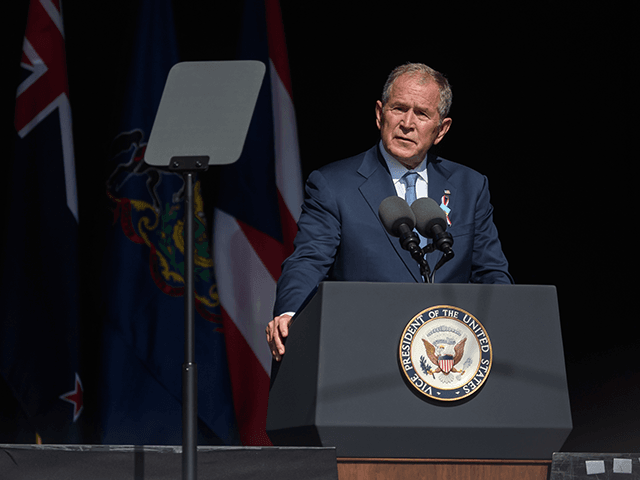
{"x":255,"y":220}
{"x":143,"y":337}
{"x":39,"y":354}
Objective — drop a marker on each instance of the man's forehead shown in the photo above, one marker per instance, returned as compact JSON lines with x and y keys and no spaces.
{"x":409,"y":90}
{"x":413,"y":78}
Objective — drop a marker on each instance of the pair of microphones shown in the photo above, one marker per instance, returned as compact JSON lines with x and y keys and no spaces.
{"x":399,"y":220}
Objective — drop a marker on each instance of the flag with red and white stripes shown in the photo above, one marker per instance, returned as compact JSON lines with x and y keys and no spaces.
{"x":255,"y":220}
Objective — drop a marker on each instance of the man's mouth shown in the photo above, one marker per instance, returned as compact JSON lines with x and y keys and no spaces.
{"x":405,"y":139}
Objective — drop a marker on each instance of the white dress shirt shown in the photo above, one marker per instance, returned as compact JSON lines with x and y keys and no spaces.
{"x":398,"y":170}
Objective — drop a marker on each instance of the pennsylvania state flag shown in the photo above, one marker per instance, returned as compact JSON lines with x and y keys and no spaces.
{"x":143,"y":275}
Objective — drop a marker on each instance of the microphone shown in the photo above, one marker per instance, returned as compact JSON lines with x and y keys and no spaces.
{"x":431,"y":222}
{"x":399,"y":221}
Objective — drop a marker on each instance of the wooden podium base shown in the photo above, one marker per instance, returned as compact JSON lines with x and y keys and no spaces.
{"x":441,"y":469}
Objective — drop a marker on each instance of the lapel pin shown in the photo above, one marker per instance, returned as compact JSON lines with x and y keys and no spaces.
{"x":444,"y":205}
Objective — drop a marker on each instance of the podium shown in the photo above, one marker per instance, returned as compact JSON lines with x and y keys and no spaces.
{"x":340,"y":382}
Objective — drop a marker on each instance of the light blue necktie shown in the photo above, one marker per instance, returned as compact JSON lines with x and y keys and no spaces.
{"x":410,"y":181}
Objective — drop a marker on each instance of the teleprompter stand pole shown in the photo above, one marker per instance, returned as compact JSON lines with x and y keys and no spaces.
{"x":189,"y":166}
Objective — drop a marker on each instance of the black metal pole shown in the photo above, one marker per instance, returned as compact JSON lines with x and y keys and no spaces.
{"x":189,"y":368}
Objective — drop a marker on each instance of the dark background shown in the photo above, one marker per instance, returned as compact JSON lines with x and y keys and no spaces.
{"x":540,"y":107}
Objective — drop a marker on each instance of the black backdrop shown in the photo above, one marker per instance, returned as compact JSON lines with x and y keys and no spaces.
{"x":539,"y":107}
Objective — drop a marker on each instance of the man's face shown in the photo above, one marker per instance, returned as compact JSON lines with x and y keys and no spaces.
{"x":410,"y":123}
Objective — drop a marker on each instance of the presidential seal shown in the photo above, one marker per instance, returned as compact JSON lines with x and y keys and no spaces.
{"x":445,"y":353}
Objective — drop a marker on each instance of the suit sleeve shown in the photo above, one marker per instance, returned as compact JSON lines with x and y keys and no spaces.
{"x":489,"y":265}
{"x":316,"y":244}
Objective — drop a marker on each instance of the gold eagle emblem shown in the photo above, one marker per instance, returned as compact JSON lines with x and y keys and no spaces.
{"x":444,"y":360}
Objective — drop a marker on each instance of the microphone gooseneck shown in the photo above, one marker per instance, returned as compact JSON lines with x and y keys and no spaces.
{"x":399,"y":221}
{"x":431,"y":222}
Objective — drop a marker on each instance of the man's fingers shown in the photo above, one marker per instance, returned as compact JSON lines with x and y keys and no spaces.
{"x":277,"y":329}
{"x":283,"y":325}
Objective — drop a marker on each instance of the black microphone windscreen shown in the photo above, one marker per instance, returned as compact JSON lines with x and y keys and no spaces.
{"x":395,"y":211}
{"x":428,"y":214}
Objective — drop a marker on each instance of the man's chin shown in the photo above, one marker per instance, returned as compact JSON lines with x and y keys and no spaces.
{"x":408,"y":158}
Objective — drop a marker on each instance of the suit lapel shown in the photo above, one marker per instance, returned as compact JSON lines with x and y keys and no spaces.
{"x":376,"y":186}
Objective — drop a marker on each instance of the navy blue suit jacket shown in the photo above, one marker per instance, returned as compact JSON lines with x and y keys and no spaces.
{"x":340,"y":236}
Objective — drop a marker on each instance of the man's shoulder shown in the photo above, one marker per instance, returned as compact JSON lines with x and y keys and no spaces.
{"x":352,"y":163}
{"x":454,"y":168}
{"x":347,"y":170}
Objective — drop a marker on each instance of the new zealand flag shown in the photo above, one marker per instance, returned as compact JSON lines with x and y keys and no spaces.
{"x":39,"y":302}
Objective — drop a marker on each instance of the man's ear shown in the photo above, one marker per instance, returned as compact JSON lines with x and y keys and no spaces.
{"x":444,"y":128}
{"x":379,"y":114}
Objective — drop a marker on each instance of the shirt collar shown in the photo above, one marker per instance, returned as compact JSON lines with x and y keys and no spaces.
{"x":398,"y":170}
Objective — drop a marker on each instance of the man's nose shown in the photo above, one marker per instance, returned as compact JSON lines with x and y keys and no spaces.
{"x":407,"y":120}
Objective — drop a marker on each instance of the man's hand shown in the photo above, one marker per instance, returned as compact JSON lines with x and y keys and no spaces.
{"x":277,"y":330}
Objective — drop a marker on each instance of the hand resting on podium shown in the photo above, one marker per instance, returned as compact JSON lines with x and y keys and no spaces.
{"x":277,"y":330}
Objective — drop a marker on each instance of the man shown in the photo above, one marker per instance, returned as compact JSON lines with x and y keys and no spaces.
{"x":340,"y":236}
